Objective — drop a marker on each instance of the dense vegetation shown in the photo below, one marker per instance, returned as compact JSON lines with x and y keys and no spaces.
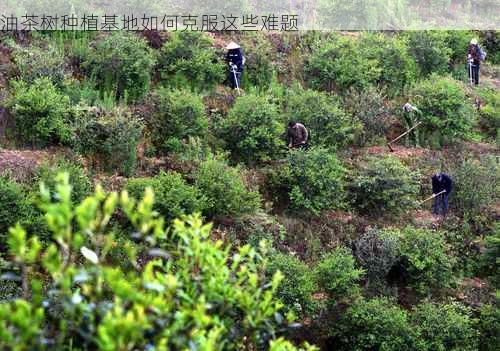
{"x":117,"y":148}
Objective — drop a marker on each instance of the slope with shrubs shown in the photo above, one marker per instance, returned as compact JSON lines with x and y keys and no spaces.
{"x":349,"y":260}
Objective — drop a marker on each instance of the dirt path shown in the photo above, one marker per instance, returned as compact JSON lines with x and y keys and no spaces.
{"x":21,"y":164}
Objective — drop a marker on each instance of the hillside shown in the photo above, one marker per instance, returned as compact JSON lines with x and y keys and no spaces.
{"x":331,"y":246}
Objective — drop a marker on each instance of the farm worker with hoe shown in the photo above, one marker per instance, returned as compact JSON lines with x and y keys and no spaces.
{"x":297,"y":135}
{"x":442,"y":184}
{"x":236,"y":60}
{"x":474,"y":57}
{"x":410,"y":113}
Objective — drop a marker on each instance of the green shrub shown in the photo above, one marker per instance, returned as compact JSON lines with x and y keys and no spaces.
{"x":383,"y":184}
{"x":489,"y":114}
{"x":490,"y":258}
{"x":377,"y":324}
{"x":188,"y":292}
{"x":491,"y":42}
{"x":253,"y":129}
{"x":12,"y":208}
{"x":188,"y":59}
{"x":224,"y":189}
{"x":368,"y":108}
{"x":81,"y":183}
{"x":398,"y":67}
{"x":121,"y":64}
{"x":297,"y":286}
{"x":178,"y":115}
{"x":314,"y":179}
{"x":446,"y":112}
{"x":430,"y":50}
{"x":259,"y":66}
{"x":37,"y":62}
{"x":323,"y":116}
{"x":445,"y":327}
{"x":174,"y":198}
{"x":337,"y":275}
{"x":458,"y":42}
{"x":339,"y":64}
{"x":477,"y":186}
{"x":425,"y":260}
{"x":489,"y":328}
{"x":34,"y":220}
{"x":377,"y":251}
{"x":41,"y":112}
{"x":110,"y":138}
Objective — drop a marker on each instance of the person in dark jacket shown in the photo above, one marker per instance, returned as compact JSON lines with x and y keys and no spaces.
{"x":474,"y":61}
{"x":441,"y":182}
{"x":235,"y":60}
{"x":297,"y":135}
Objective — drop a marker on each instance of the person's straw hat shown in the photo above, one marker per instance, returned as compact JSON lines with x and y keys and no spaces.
{"x":473,"y":41}
{"x":232,"y":45}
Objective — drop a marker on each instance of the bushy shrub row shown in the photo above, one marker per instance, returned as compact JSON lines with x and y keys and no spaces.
{"x":335,"y":278}
{"x":412,"y":257}
{"x":109,"y":138}
{"x":381,"y":324}
{"x":218,"y":190}
{"x":189,"y":292}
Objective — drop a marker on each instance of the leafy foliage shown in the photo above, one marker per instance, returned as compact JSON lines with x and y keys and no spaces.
{"x":445,"y":327}
{"x":477,"y":186}
{"x":41,"y":112}
{"x":489,"y":328}
{"x":315,"y":180}
{"x":81,"y":183}
{"x":154,"y":304}
{"x":40,"y":62}
{"x":12,"y":207}
{"x":259,"y":65}
{"x":189,"y":59}
{"x":253,"y":129}
{"x":339,"y":64}
{"x":490,"y":259}
{"x":121,"y":63}
{"x":174,"y":197}
{"x":377,"y":251}
{"x":178,"y":115}
{"x":430,"y":51}
{"x":377,"y":324}
{"x":224,"y":189}
{"x":489,"y":114}
{"x":321,"y":113}
{"x":426,"y":260}
{"x":369,"y":108}
{"x":298,"y":285}
{"x":383,"y":184}
{"x":398,"y":67}
{"x":110,"y":138}
{"x":338,"y":276}
{"x":446,"y":112}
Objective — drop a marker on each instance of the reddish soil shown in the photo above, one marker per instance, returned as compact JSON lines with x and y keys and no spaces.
{"x":22,"y":163}
{"x":424,"y":218}
{"x":399,"y":151}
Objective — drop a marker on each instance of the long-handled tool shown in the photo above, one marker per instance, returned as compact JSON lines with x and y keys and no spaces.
{"x":433,"y":196}
{"x":233,"y":69}
{"x":402,"y":135}
{"x":470,"y":72}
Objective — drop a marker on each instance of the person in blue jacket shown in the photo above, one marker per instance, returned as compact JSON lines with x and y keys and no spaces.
{"x":441,"y":182}
{"x":235,"y":60}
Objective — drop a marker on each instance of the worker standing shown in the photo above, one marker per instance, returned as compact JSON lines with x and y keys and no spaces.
{"x":236,"y":61}
{"x":442,"y":185}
